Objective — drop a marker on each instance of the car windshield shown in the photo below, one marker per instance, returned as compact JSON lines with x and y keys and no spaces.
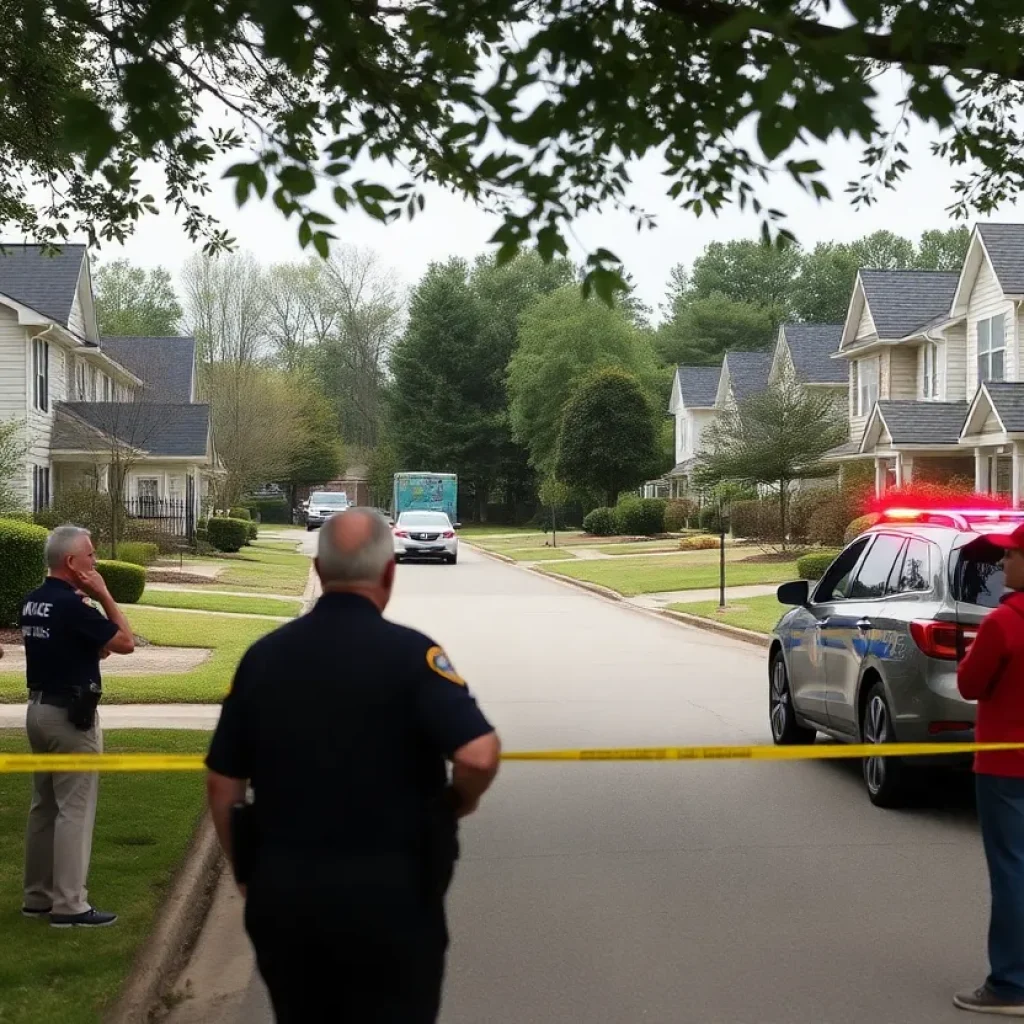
{"x":328,"y":498}
{"x":438,"y":520}
{"x":979,"y":575}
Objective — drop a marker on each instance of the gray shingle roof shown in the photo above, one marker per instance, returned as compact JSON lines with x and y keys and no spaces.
{"x":165,"y":364}
{"x":159,"y":429}
{"x":811,"y":347}
{"x":1004,"y":244}
{"x":910,"y":422}
{"x":1009,"y":402}
{"x":901,"y":301}
{"x":842,"y":451}
{"x":698,"y":385}
{"x":46,"y":284}
{"x":748,"y":372}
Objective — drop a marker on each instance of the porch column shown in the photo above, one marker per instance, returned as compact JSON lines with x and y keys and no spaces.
{"x":908,"y":468}
{"x":1018,"y":473}
{"x":880,"y":475}
{"x":982,"y":471}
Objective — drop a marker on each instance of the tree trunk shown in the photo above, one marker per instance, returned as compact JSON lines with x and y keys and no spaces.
{"x":612,"y":496}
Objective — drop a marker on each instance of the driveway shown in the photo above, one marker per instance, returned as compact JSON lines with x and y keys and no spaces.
{"x":676,"y":892}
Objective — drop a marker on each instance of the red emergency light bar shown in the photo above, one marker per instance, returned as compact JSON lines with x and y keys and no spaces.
{"x":962,"y":519}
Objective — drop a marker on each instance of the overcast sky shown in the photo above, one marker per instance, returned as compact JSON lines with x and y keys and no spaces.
{"x":453,"y":226}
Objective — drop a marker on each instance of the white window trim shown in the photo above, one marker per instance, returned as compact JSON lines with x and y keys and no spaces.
{"x":930,"y":382}
{"x":991,"y":351}
{"x":863,"y":402}
{"x":40,"y":375}
{"x":139,"y":496}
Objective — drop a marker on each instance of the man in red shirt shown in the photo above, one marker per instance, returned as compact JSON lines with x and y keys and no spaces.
{"x":992,"y":673}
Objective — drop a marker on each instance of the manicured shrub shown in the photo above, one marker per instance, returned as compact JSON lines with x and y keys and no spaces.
{"x":21,"y":555}
{"x":253,"y":532}
{"x":640,"y":517}
{"x":125,"y":580}
{"x":859,"y":525}
{"x":271,"y":510}
{"x":239,"y":512}
{"x":600,"y":522}
{"x":228,"y":534}
{"x":678,"y":513}
{"x":137,"y":552}
{"x":702,"y":542}
{"x":757,"y":519}
{"x":812,"y":566}
{"x":709,"y":519}
{"x":17,"y":516}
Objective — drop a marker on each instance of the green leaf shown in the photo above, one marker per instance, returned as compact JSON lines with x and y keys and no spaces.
{"x":322,"y":244}
{"x":305,"y":233}
{"x":777,"y":129}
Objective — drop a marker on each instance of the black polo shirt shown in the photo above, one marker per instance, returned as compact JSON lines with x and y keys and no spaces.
{"x":343,"y":722}
{"x":63,"y":638}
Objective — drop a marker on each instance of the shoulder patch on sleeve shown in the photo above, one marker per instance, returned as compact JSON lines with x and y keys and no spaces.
{"x":440,"y":663}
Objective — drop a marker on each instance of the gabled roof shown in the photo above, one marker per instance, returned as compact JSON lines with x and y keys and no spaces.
{"x":910,"y":422}
{"x":173,"y":430}
{"x":46,"y":284}
{"x":1004,"y":244}
{"x":901,"y":301}
{"x":811,"y":347}
{"x":165,"y":364}
{"x":748,"y":372}
{"x":1006,"y":400}
{"x":698,"y":385}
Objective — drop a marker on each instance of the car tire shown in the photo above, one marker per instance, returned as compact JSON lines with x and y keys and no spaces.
{"x":786,"y":730}
{"x":309,"y":529}
{"x":885,"y":778}
{"x":452,"y":559}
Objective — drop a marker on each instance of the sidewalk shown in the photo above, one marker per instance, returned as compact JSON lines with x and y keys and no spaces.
{"x":133,"y":716}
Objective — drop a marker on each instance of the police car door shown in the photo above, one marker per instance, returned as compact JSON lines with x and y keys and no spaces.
{"x":857,"y":633}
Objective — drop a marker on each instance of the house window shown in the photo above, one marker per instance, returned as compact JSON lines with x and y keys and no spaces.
{"x":684,"y":435}
{"x":40,"y":487}
{"x":81,"y":380}
{"x":106,"y":388}
{"x":93,"y":392}
{"x":148,"y":488}
{"x":40,"y":375}
{"x":930,"y":382}
{"x":866,"y":382}
{"x":991,"y":349}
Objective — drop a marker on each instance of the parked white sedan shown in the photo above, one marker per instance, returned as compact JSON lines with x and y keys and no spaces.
{"x":426,"y":535}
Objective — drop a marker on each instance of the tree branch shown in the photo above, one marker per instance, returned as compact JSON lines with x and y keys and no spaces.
{"x":851,"y":41}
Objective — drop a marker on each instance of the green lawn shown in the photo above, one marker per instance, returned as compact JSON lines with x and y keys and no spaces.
{"x":539,"y":554}
{"x":640,"y":547}
{"x":757,"y":613}
{"x":197,"y":599}
{"x":475,"y":532}
{"x":531,"y":539}
{"x":264,"y":567}
{"x":229,"y":638}
{"x":143,"y":827}
{"x":682,"y":572}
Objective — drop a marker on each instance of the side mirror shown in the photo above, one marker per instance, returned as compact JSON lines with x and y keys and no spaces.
{"x":456,"y":526}
{"x":797,"y":593}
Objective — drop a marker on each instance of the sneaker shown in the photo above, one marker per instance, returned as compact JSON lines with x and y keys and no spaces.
{"x":92,"y":918}
{"x":984,"y":1000}
{"x":35,"y":911}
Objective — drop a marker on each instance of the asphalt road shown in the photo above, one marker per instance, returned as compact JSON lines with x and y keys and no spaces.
{"x":677,"y":892}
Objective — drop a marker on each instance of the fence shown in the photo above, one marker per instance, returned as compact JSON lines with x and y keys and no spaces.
{"x":166,"y":515}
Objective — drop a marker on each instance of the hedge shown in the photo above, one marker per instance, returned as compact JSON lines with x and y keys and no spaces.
{"x":640,"y":517}
{"x":138,"y":552}
{"x":709,"y":520}
{"x":859,"y":525}
{"x":17,"y":516}
{"x":812,"y":566}
{"x":704,"y":542}
{"x":125,"y":580}
{"x":239,"y":512}
{"x":757,"y":519}
{"x":227,"y":534}
{"x":22,"y":547}
{"x":271,"y":510}
{"x":253,"y":532}
{"x":678,"y":513}
{"x":600,"y":522}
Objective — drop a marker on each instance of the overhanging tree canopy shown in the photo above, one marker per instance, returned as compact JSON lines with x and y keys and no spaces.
{"x":531,"y":108}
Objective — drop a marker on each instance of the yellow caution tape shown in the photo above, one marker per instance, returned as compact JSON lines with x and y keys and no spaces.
{"x":823,"y":752}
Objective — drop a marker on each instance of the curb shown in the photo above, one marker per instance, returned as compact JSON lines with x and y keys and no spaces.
{"x":682,"y":618}
{"x":178,"y":924}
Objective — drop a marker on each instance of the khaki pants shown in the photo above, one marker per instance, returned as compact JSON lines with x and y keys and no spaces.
{"x":58,"y":840}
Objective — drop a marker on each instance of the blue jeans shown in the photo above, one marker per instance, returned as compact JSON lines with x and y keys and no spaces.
{"x":1001,"y":815}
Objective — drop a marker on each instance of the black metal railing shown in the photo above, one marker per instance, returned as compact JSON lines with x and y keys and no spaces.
{"x":167,"y":515}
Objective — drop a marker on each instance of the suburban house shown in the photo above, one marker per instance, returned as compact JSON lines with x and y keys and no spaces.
{"x":692,"y":405}
{"x":743,"y":374}
{"x":803,"y":353}
{"x":89,"y":402}
{"x":935,"y":369}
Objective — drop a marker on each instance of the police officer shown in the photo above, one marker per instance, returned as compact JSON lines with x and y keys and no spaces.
{"x":343,"y":722}
{"x":65,"y":638}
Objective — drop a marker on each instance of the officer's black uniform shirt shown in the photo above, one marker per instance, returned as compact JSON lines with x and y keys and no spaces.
{"x":63,"y":638}
{"x":343,"y":721}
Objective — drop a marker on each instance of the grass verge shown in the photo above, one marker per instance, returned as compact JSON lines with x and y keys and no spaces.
{"x":266,"y":568}
{"x":656,"y":575}
{"x":200,"y":601}
{"x":538,"y":554}
{"x":759,"y":614}
{"x":143,"y":827}
{"x":228,"y":638}
{"x":640,"y":547}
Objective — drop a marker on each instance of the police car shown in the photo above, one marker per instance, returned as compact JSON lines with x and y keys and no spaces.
{"x":869,"y":653}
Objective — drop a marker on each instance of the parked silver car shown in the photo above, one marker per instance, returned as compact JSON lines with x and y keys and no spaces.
{"x":426,"y":535}
{"x":869,"y":653}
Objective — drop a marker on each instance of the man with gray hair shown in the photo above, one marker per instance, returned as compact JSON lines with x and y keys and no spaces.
{"x":344,"y":724}
{"x":65,"y":639}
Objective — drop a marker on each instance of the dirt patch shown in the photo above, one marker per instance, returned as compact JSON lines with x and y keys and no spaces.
{"x":145,"y":661}
{"x":173,"y":576}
